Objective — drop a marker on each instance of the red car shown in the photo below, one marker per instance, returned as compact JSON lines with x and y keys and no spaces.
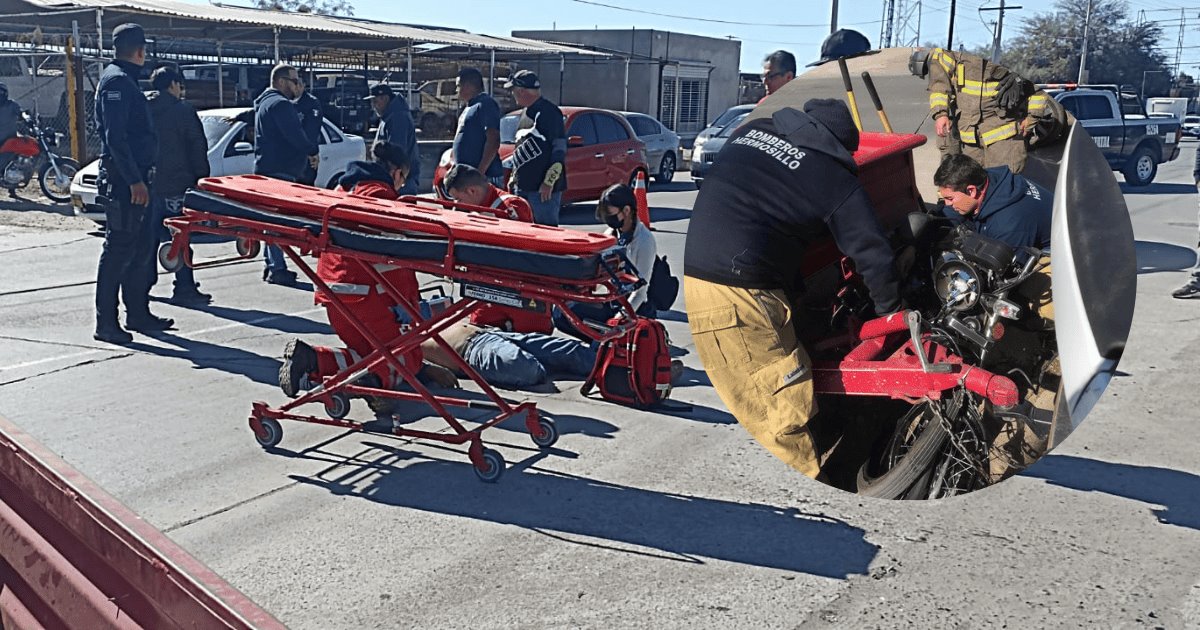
{"x":602,"y":150}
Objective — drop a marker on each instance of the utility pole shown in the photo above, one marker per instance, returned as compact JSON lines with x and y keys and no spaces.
{"x":1087,"y":21}
{"x":889,"y":17}
{"x":833,"y":18}
{"x":999,"y":29}
{"x":950,"y":37}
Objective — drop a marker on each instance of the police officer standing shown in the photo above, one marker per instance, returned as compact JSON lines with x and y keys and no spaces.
{"x":396,"y":128}
{"x":128,"y":149}
{"x":10,"y":116}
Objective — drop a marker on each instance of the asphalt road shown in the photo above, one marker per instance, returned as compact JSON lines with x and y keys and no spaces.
{"x":635,"y":520}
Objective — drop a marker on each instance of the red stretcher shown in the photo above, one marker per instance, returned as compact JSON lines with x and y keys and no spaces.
{"x":495,"y":260}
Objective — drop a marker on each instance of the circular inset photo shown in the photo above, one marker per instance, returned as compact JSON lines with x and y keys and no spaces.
{"x":910,"y":273}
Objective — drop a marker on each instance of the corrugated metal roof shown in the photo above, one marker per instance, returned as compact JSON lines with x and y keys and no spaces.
{"x":380,"y":32}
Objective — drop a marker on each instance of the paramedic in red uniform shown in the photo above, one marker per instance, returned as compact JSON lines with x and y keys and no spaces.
{"x":465,"y":184}
{"x":305,"y":365}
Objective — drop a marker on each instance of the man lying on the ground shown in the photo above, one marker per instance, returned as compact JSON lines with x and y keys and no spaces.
{"x":517,"y":360}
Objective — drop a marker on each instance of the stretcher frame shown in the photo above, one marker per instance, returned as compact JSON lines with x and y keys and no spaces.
{"x":334,"y":391}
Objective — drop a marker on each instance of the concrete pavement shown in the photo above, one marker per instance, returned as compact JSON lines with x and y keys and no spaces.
{"x":636,"y":519}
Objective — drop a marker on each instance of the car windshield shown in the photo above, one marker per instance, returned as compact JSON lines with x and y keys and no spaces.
{"x":733,"y":125}
{"x":728,"y":117}
{"x":1192,"y":119}
{"x":215,"y":128}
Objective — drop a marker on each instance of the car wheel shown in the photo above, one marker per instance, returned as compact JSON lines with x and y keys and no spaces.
{"x":666,"y":169}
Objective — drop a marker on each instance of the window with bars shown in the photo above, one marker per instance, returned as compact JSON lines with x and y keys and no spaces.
{"x":693,"y":104}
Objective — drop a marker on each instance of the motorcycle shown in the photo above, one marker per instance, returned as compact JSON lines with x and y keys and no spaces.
{"x":29,"y":154}
{"x":971,"y":357}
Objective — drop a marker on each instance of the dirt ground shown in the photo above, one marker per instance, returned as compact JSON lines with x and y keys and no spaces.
{"x":30,"y":209}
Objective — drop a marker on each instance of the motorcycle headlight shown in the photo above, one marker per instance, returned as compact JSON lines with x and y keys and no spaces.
{"x":957,"y":283}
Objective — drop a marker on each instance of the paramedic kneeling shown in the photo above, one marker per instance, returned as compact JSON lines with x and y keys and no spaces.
{"x":618,"y":210}
{"x":774,"y":177}
{"x":465,"y":184}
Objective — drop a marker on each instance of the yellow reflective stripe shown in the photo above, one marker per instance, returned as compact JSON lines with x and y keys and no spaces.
{"x":980,"y":88}
{"x":991,"y":137}
{"x":946,"y":61}
{"x":938,"y":99}
{"x":962,"y":76}
{"x":1037,"y":101}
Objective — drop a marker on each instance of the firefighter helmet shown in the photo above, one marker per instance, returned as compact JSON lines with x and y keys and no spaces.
{"x":843,"y":44}
{"x":918,"y":62}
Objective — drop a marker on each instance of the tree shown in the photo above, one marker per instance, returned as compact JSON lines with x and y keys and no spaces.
{"x":322,"y":7}
{"x":1119,"y":50}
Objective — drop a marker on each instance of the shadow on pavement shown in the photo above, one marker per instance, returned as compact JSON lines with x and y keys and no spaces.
{"x":1158,"y":189}
{"x":1177,"y":491}
{"x":208,"y":356}
{"x":613,"y":517}
{"x":290,"y":324}
{"x":1153,"y":257}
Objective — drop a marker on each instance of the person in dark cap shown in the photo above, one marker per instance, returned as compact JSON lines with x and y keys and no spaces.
{"x":182,"y":161}
{"x":539,"y":161}
{"x":843,"y":44}
{"x":775,"y":179}
{"x":779,"y":68}
{"x":396,"y":128}
{"x":128,"y":152}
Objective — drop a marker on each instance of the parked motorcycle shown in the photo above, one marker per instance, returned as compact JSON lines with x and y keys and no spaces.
{"x":29,"y":154}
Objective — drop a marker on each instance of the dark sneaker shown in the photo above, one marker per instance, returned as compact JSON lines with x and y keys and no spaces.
{"x":149,"y":323}
{"x":676,"y":371}
{"x":280,"y":276}
{"x":1189,"y":290}
{"x":191,"y":296}
{"x":299,"y":360}
{"x":112,"y":334}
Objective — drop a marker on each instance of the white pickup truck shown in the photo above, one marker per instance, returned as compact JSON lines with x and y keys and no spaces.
{"x":231,"y":152}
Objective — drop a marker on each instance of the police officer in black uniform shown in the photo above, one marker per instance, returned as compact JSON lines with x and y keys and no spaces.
{"x":308,"y":107}
{"x":128,"y":148}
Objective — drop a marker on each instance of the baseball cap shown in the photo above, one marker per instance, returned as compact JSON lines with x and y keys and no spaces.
{"x":129,"y":34}
{"x":377,"y":90}
{"x":524,"y":79}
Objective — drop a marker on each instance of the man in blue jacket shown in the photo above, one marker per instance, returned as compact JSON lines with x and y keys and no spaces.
{"x":282,"y":149}
{"x":396,"y":128}
{"x":995,"y":202}
{"x":1000,"y":204}
{"x":128,"y":150}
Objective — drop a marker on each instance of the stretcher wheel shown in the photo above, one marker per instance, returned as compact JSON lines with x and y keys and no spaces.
{"x":547,"y":434}
{"x":169,"y":264}
{"x":493,"y":463}
{"x":338,"y":406}
{"x":247,"y":247}
{"x":272,"y":433}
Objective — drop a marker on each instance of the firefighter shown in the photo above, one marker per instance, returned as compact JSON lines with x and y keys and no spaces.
{"x":467,"y":185}
{"x":982,"y":109}
{"x":774,"y":179}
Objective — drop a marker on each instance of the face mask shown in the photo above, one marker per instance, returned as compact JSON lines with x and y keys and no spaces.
{"x":614,"y":221}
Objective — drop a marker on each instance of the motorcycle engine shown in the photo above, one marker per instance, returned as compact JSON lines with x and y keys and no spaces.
{"x":18,"y":172}
{"x":969,"y":268}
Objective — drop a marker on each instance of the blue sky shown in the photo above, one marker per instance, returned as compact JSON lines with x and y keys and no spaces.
{"x":797,"y":26}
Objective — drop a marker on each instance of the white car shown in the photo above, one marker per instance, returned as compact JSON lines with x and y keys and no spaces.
{"x":231,"y":152}
{"x":662,"y":145}
{"x":1191,"y":125}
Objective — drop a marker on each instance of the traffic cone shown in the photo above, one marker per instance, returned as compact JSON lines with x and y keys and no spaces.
{"x":639,"y":193}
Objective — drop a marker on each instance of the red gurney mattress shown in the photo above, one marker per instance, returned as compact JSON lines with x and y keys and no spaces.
{"x":306,"y":202}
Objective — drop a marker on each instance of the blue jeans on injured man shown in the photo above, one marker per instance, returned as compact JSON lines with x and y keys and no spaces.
{"x":515,"y":360}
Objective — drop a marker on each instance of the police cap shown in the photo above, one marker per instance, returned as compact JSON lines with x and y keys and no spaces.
{"x":379,"y":89}
{"x":843,"y":44}
{"x":128,"y":35}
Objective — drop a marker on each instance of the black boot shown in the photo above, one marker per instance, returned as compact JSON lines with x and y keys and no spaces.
{"x":111,"y":332}
{"x":299,"y":360}
{"x":185,"y":295}
{"x":148,"y":322}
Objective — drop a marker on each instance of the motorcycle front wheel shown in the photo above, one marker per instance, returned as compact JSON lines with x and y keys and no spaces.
{"x":904,"y":467}
{"x":55,"y":178}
